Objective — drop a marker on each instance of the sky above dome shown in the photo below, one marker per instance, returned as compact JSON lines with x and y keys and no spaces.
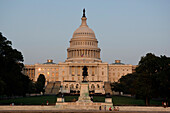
{"x":125,"y":29}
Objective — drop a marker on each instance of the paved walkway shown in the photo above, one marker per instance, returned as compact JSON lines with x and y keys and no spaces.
{"x":52,"y":108}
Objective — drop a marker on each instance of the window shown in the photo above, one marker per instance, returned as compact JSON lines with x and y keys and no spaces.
{"x":102,"y":72}
{"x":39,"y":69}
{"x":113,"y":79}
{"x":56,"y":78}
{"x":48,"y":73}
{"x":72,"y":86}
{"x":92,"y":86}
{"x":66,"y":86}
{"x":118,"y":74}
{"x":92,"y":78}
{"x":77,"y":86}
{"x":57,"y":74}
{"x":72,"y":70}
{"x":93,"y":71}
{"x":98,"y":86}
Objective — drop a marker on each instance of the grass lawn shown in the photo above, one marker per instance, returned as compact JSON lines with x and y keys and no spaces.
{"x":121,"y":100}
{"x":38,"y":100}
{"x":34,"y":100}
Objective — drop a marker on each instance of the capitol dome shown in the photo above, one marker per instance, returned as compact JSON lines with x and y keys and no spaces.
{"x":83,"y":44}
{"x":83,"y":30}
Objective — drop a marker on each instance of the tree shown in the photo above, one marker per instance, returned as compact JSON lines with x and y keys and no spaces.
{"x":163,"y":78}
{"x":152,"y":79}
{"x":40,"y":83}
{"x":12,"y":81}
{"x":148,"y":66}
{"x":125,"y":84}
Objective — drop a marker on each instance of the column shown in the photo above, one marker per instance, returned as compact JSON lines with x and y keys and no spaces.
{"x":76,"y":53}
{"x":75,"y":70}
{"x":98,"y":73}
{"x":90,"y":70}
{"x":79,"y":53}
{"x":87,"y":53}
{"x":70,"y":70}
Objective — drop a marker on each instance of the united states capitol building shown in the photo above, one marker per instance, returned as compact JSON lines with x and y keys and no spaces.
{"x":83,"y":51}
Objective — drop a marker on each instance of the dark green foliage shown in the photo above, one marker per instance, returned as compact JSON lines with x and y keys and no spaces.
{"x":12,"y":81}
{"x":40,"y":83}
{"x":152,"y":79}
{"x":126,"y":84}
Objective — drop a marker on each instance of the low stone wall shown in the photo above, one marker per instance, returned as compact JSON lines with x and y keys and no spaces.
{"x":83,"y":106}
{"x":52,"y":109}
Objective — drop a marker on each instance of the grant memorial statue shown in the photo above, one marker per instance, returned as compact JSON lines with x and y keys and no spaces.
{"x":85,"y":74}
{"x":84,"y":88}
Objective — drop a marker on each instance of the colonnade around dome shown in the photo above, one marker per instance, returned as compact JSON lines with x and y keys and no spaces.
{"x":83,"y":53}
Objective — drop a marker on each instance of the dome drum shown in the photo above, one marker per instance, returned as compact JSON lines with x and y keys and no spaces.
{"x":83,"y":53}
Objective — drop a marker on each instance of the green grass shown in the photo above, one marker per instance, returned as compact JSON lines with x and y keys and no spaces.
{"x":38,"y":100}
{"x":70,"y":98}
{"x":35,"y":100}
{"x":98,"y":98}
{"x":121,"y":100}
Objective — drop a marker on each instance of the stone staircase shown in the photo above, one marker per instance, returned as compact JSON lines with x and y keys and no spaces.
{"x":52,"y":87}
{"x":107,"y":88}
{"x":56,"y":88}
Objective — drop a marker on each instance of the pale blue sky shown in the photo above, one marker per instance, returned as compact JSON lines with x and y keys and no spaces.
{"x":125,"y":29}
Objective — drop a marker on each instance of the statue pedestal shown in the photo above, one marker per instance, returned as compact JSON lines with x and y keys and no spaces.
{"x":84,"y":93}
{"x":60,"y":99}
{"x":84,"y":101}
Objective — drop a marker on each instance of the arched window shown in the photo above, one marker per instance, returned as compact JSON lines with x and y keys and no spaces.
{"x":98,"y":86}
{"x":92,"y":86}
{"x":72,"y":86}
{"x":77,"y":86}
{"x":66,"y":86}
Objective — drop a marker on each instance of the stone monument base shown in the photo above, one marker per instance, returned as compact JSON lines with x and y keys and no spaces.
{"x":83,"y":106}
{"x":84,"y":93}
{"x":84,"y":101}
